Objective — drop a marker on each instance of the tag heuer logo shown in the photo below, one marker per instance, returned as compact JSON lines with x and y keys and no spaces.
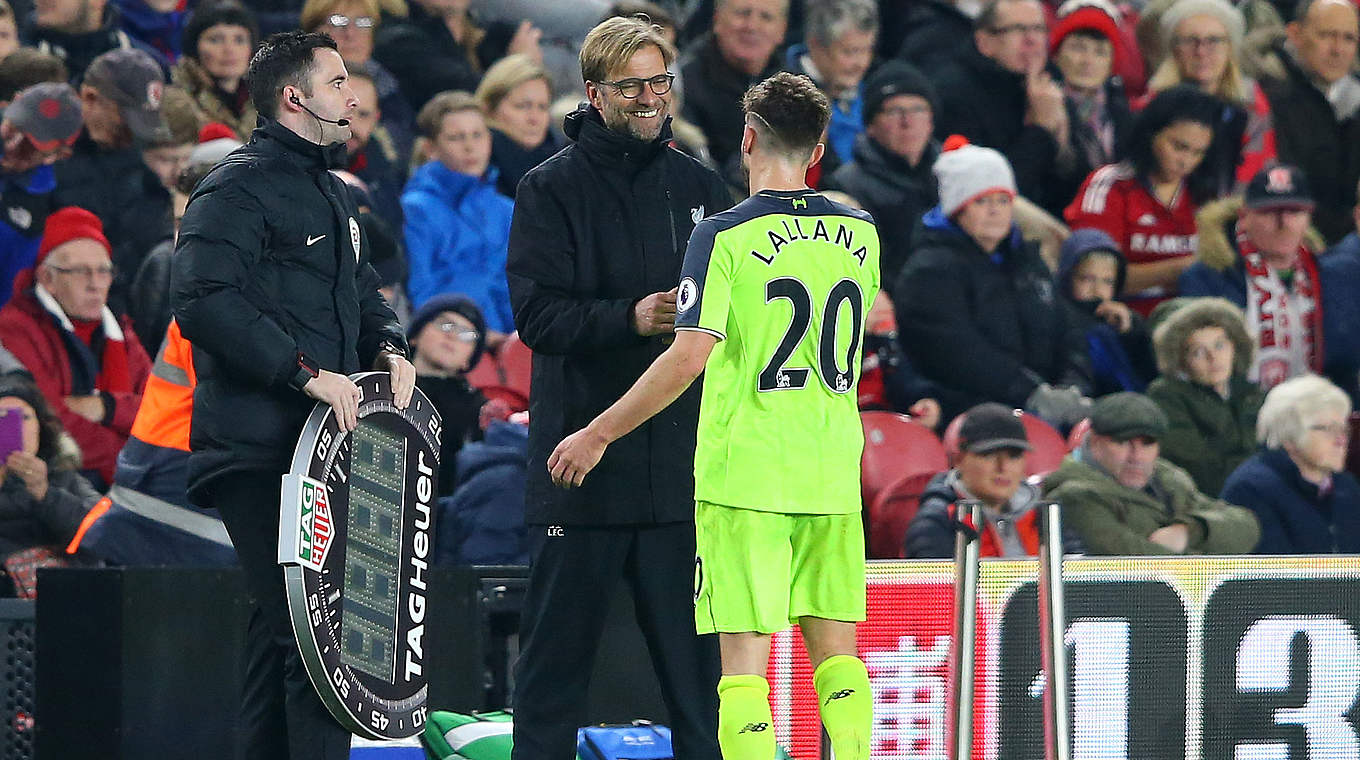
{"x":314,"y":525}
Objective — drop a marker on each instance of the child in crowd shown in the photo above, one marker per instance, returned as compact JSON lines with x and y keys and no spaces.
{"x":457,"y":226}
{"x":1114,"y":340}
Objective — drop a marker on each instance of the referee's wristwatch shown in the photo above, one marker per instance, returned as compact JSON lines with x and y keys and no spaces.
{"x":307,"y":368}
{"x":388,"y":347}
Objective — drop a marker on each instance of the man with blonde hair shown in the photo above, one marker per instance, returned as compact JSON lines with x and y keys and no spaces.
{"x":596,"y":244}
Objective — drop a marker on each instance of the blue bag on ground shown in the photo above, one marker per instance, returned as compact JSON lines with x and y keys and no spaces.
{"x":640,"y":740}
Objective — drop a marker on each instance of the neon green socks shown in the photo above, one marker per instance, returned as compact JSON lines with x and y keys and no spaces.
{"x":846,"y":703}
{"x":745,"y":724}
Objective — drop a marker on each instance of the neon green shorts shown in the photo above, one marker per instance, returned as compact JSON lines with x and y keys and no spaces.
{"x":760,"y":571}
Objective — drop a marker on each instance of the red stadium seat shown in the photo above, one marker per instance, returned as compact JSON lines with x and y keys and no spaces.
{"x":1047,"y":446}
{"x":1078,"y":435}
{"x":487,"y":372}
{"x":891,"y":513}
{"x":896,"y":446}
{"x":516,"y":362}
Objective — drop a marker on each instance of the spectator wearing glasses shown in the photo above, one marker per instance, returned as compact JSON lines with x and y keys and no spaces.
{"x":999,"y":95}
{"x":353,"y":25}
{"x":596,"y":244}
{"x":1204,"y":39}
{"x":515,"y":95}
{"x":447,"y":337}
{"x":1315,"y":98}
{"x":88,"y":364}
{"x":457,"y":226}
{"x":37,"y":130}
{"x":218,"y":43}
{"x":1297,"y":485}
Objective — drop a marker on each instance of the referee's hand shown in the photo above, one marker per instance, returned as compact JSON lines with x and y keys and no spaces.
{"x":575,"y":456}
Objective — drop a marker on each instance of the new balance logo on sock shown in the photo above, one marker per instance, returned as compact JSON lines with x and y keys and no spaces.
{"x":754,"y":728}
{"x":842,"y":694}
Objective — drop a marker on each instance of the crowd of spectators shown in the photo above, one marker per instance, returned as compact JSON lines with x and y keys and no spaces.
{"x":1074,"y":200}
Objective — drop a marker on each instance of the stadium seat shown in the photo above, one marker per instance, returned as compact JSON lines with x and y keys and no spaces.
{"x":1078,"y":435}
{"x":516,"y":360}
{"x":1047,"y":446}
{"x":487,"y":373}
{"x":896,"y":446}
{"x":891,"y":513}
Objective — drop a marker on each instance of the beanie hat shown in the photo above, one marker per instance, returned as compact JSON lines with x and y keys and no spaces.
{"x":67,"y":224}
{"x":215,"y":141}
{"x":458,"y":304}
{"x":967,"y":172}
{"x":1219,"y":9}
{"x":1091,"y":15}
{"x":209,"y":14}
{"x":895,"y":78}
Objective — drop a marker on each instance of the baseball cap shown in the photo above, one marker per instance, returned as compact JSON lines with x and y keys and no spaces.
{"x":1127,"y":415}
{"x":1281,"y":186}
{"x":47,"y":113}
{"x":132,"y":79}
{"x":988,"y":427}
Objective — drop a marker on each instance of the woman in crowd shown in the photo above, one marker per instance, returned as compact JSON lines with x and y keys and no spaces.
{"x":218,"y":42}
{"x":1147,"y":202}
{"x":1297,"y":484}
{"x":1204,"y":38}
{"x":1204,"y":352}
{"x":457,"y":227}
{"x":514,"y":95}
{"x":43,"y":498}
{"x":353,"y":24}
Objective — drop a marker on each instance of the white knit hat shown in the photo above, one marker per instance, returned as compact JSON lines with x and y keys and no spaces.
{"x":1230,"y":17}
{"x":967,"y":172}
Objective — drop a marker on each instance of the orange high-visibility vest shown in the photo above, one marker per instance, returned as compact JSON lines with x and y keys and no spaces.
{"x":168,"y":399}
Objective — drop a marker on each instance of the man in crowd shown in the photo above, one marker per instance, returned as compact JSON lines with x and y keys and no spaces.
{"x":121,"y":104}
{"x":78,"y":31}
{"x":787,"y":545}
{"x":891,"y":171}
{"x":1000,"y":96}
{"x":838,"y":47}
{"x":718,"y":69}
{"x":595,"y":250}
{"x":1121,"y":497}
{"x":373,"y":157}
{"x":269,"y":220}
{"x":88,"y":364}
{"x":1315,"y":101}
{"x":1261,"y":264}
{"x":37,"y":130}
{"x":990,"y":467}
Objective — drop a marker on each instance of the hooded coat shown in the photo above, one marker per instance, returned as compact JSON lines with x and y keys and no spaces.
{"x":983,"y":327}
{"x":597,"y":227}
{"x":190,"y":76}
{"x":1114,"y":519}
{"x":457,"y":229}
{"x":1111,"y":361}
{"x":1209,"y":435}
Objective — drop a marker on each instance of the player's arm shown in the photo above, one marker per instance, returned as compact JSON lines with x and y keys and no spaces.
{"x":662,"y":383}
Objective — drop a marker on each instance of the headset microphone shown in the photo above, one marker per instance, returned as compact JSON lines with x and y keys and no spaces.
{"x":336,"y":122}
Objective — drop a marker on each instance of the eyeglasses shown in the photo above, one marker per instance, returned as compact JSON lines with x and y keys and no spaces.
{"x":1002,"y":31}
{"x":631,"y":88}
{"x":1333,"y":428}
{"x":460,"y":332}
{"x":905,"y":111}
{"x":1212,"y":42}
{"x":85,"y":273}
{"x":340,"y":21}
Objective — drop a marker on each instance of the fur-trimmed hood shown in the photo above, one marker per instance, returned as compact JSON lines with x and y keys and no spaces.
{"x":1215,"y":224}
{"x":191,"y":77}
{"x":1194,"y":314}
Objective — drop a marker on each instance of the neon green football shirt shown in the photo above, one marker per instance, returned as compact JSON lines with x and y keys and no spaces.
{"x":784,"y":279}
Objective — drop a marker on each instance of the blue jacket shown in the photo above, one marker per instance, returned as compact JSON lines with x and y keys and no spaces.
{"x":1339,"y":267}
{"x":27,"y":198}
{"x":482,"y":523}
{"x":457,"y":229}
{"x":1294,"y":518}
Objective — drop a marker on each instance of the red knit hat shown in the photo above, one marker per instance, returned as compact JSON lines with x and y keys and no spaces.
{"x":1093,"y":15}
{"x":71,"y":223}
